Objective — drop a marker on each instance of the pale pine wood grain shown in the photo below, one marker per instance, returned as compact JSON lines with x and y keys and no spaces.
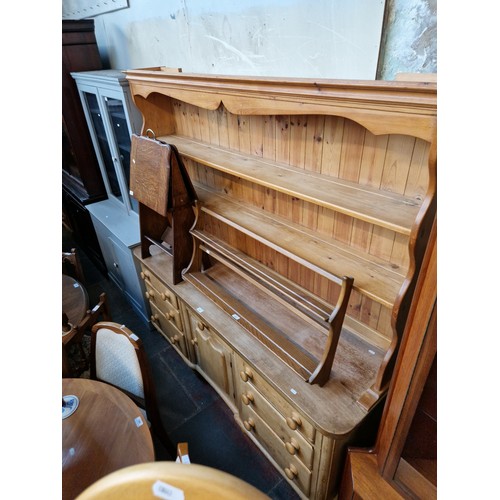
{"x":308,"y":249}
{"x":372,"y":161}
{"x":204,"y":125}
{"x":223,"y":127}
{"x":298,"y":138}
{"x":256,"y":132}
{"x":389,"y":210}
{"x":213,"y":126}
{"x":269,"y":138}
{"x":352,"y":151}
{"x":397,"y":163}
{"x":282,"y":134}
{"x":418,"y":176}
{"x":314,"y":143}
{"x":332,"y":145}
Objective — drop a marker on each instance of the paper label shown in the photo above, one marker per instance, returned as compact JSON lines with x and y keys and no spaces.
{"x":167,"y":491}
{"x":138,"y":421}
{"x":199,"y":309}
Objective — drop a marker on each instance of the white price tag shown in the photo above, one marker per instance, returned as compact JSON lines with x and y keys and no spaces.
{"x":167,"y":491}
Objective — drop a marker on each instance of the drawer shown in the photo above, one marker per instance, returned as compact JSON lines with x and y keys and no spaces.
{"x":165,"y":294}
{"x":293,"y":468}
{"x":294,"y":420}
{"x":168,"y":328}
{"x":168,"y":310}
{"x":295,"y":443}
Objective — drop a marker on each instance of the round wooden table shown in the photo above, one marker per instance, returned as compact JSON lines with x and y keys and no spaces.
{"x":106,"y":432}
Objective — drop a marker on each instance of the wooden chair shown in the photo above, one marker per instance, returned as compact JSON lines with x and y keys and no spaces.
{"x":156,"y":479}
{"x":117,"y":357}
{"x":73,"y":335}
{"x":72,"y":266}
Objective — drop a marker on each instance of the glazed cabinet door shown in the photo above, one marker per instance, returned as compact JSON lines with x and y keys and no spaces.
{"x":112,"y":118}
{"x":120,"y":130}
{"x":213,"y":357}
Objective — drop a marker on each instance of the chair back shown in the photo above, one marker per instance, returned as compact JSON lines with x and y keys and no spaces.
{"x":117,"y":357}
{"x":72,"y":266}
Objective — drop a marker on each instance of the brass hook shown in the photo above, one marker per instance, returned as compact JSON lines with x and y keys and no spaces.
{"x":149,"y":130}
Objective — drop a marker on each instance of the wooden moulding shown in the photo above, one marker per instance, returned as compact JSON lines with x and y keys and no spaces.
{"x":380,"y":106}
{"x":211,"y":252}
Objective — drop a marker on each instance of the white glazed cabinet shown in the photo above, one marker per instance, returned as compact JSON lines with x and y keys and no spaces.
{"x":112,"y":117}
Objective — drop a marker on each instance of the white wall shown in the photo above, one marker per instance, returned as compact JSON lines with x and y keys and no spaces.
{"x":295,"y":38}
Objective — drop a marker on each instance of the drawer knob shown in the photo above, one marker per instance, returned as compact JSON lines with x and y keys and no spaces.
{"x":175,"y":339}
{"x":292,"y":446}
{"x":150,"y":294}
{"x":246,"y":374}
{"x":249,"y":424}
{"x":154,"y":317}
{"x":247,"y":398}
{"x":194,"y":341}
{"x":291,"y":472}
{"x":144,"y":275}
{"x":200,"y":325}
{"x":171,"y":315}
{"x":165,"y":296}
{"x":294,"y":421}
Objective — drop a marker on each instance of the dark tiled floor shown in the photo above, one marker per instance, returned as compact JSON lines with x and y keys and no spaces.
{"x":190,"y":408}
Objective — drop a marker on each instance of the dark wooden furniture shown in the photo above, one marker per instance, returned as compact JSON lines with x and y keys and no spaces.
{"x":161,"y":185}
{"x":75,"y":299}
{"x":77,"y":318}
{"x":81,"y":178}
{"x":105,"y":433}
{"x":117,"y":357}
{"x":403,"y":463}
{"x":300,"y":183}
{"x":72,"y":266}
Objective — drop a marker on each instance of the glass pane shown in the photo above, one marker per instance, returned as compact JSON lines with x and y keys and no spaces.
{"x":68,"y":156}
{"x":100,"y":131}
{"x":121,"y":132}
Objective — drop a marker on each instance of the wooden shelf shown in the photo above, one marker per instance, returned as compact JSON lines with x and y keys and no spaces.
{"x":355,"y":369}
{"x":372,"y":276}
{"x":382,"y":208}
